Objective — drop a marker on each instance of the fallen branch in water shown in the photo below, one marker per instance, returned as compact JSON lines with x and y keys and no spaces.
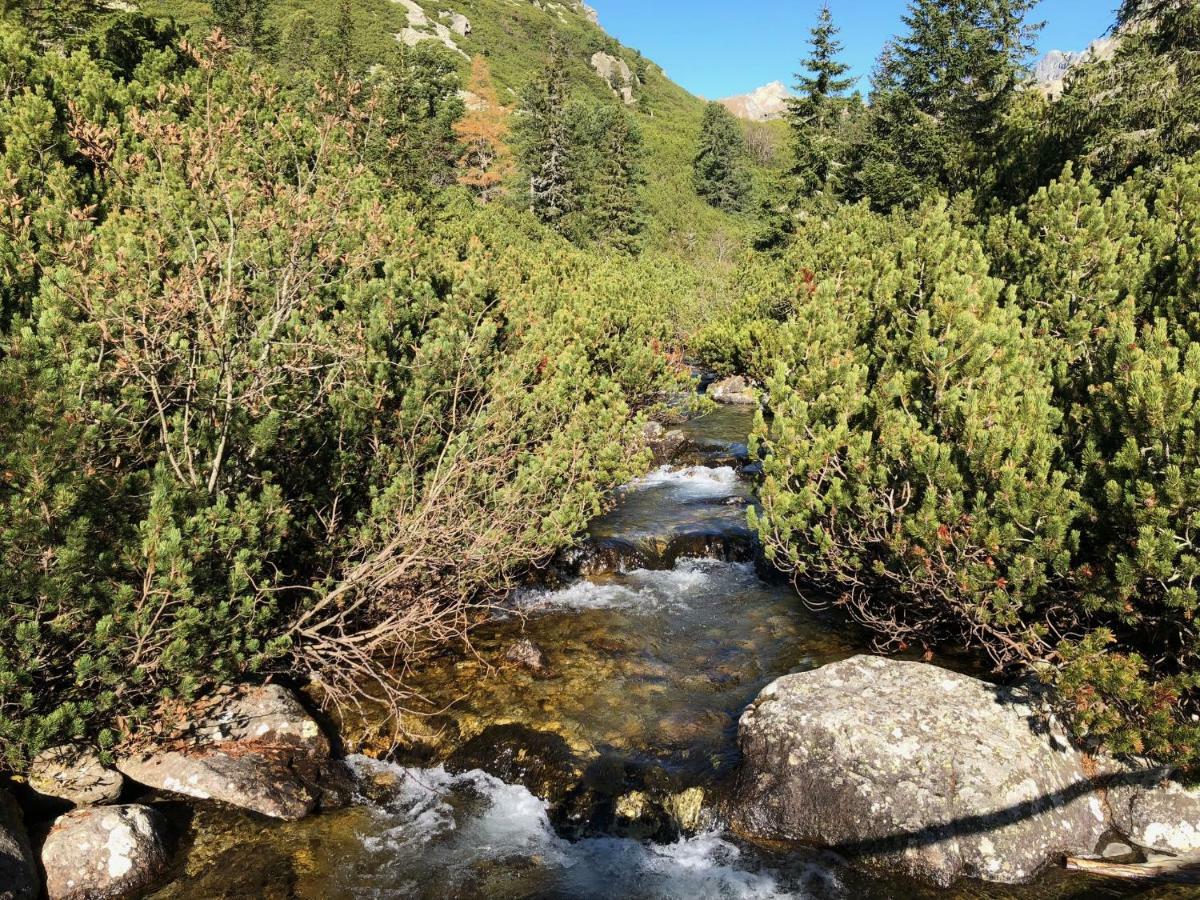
{"x":1179,"y":870}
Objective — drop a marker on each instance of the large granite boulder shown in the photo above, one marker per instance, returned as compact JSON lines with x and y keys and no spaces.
{"x":912,"y":768}
{"x":18,"y":879}
{"x":252,"y":747}
{"x":104,"y":851}
{"x":74,"y":775}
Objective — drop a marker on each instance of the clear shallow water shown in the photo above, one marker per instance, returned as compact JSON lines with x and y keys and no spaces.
{"x":647,"y":671}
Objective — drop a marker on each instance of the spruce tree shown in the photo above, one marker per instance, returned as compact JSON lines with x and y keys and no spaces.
{"x":816,"y":113}
{"x":298,"y":43}
{"x":1140,"y":108}
{"x":617,"y":184}
{"x":341,"y":43}
{"x":959,"y":63}
{"x":57,"y":21}
{"x":245,"y":23}
{"x":719,"y":170}
{"x":418,"y":89}
{"x":546,"y":147}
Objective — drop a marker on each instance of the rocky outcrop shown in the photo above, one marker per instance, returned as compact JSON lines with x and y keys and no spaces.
{"x":101,"y":852}
{"x":420,"y":28}
{"x":253,"y":747}
{"x":459,"y":23}
{"x":912,"y":768}
{"x":616,"y":72}
{"x":75,"y":775}
{"x":760,"y":105}
{"x":18,"y":879}
{"x":733,"y":390}
{"x":1157,"y":813}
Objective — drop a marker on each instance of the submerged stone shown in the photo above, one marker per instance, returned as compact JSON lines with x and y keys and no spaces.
{"x":527,"y":654}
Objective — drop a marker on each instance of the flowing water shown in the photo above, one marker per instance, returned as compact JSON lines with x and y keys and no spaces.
{"x":591,"y":777}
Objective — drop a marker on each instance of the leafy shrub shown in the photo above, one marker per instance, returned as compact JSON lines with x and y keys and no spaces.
{"x":263,"y":412}
{"x":1012,"y":467}
{"x":911,"y":458}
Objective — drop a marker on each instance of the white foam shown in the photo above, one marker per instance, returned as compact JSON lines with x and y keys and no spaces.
{"x":645,"y":589}
{"x":692,"y":481}
{"x":449,"y":826}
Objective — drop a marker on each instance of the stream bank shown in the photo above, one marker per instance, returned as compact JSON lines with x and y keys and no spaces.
{"x":594,"y":766}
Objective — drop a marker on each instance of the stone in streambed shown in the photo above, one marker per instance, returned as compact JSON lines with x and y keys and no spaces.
{"x":735,"y":390}
{"x":527,"y":654}
{"x":663,"y":443}
{"x":106,"y":851}
{"x":255,"y":748}
{"x":18,"y":879}
{"x":540,"y":761}
{"x":915,"y":769}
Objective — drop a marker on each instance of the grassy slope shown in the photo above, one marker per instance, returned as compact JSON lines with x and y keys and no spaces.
{"x":513,"y":35}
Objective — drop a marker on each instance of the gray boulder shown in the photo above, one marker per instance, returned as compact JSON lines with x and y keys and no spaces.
{"x":912,"y":768}
{"x":76,"y":775}
{"x":616,"y":72}
{"x":104,"y":851}
{"x":663,"y":443}
{"x":734,"y":390}
{"x":18,"y":879}
{"x":254,"y":747}
{"x":1157,"y":812}
{"x":459,"y":23}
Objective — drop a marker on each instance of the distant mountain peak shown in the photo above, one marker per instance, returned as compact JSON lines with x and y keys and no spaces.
{"x":760,"y":105}
{"x":1050,"y":73}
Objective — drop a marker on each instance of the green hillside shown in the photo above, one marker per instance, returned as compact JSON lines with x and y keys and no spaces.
{"x":513,"y":35}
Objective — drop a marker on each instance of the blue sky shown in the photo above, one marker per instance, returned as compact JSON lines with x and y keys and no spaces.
{"x":716,"y":48}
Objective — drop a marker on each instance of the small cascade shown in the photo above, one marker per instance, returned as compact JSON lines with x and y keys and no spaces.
{"x":580,"y":750}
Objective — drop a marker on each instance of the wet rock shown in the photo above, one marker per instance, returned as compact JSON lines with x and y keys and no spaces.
{"x":18,"y":879}
{"x":540,"y":761}
{"x":914,"y":769}
{"x":666,"y":445}
{"x":605,"y":556}
{"x":734,"y":390}
{"x":75,"y":775}
{"x":101,"y":852}
{"x":528,"y":654}
{"x":253,"y":747}
{"x":686,"y":809}
{"x":1157,"y":812}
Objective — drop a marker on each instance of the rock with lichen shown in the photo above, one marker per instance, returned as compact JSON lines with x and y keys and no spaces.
{"x":106,"y":851}
{"x":911,"y":768}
